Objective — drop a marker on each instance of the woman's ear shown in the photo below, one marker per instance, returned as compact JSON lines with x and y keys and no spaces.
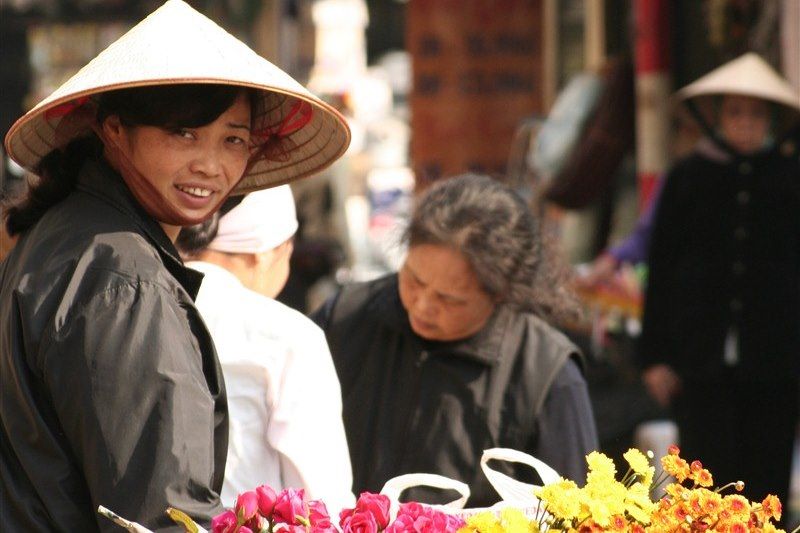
{"x":113,"y":129}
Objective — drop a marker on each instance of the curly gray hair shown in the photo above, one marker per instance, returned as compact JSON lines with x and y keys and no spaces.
{"x":501,"y":239}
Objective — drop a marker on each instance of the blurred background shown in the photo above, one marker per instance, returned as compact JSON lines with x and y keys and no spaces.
{"x":566,"y":100}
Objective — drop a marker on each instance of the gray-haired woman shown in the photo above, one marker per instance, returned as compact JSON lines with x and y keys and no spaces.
{"x":454,"y":355}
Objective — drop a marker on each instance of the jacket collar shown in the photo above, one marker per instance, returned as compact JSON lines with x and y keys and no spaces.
{"x":100,"y":180}
{"x":483,"y":347}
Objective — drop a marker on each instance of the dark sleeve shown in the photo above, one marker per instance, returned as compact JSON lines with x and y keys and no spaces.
{"x":565,"y":428}
{"x":653,"y":345}
{"x":126,"y":379}
{"x":322,"y":316}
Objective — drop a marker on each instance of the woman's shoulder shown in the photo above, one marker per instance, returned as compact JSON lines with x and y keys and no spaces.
{"x":544,"y":332}
{"x":360,"y":302}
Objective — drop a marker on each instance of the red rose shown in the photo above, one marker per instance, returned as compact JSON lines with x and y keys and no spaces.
{"x":375,"y":504}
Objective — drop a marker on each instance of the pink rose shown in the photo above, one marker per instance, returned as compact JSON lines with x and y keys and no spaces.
{"x":224,"y":523}
{"x":293,"y":529}
{"x":363,"y":522}
{"x":318,"y":514}
{"x":289,"y":505}
{"x":246,"y":506}
{"x":244,"y":529}
{"x":412,"y":509}
{"x":266,"y":500}
{"x":401,"y":524}
{"x":375,"y":504}
{"x":258,"y":523}
{"x":324,"y":528}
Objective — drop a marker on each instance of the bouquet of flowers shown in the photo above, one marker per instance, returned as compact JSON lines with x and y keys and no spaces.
{"x":606,"y":503}
{"x":265,"y":511}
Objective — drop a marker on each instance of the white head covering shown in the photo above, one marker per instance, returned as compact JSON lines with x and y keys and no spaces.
{"x":261,"y":222}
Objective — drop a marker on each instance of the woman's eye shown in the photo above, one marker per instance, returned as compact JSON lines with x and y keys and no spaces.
{"x":236,"y":140}
{"x":185,"y":133}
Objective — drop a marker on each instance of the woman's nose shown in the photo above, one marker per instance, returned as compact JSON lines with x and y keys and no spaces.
{"x":424,"y":305}
{"x":206,"y":162}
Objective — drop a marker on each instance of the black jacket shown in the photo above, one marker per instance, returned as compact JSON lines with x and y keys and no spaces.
{"x":110,"y":386}
{"x":412,"y":405}
{"x":725,"y":266}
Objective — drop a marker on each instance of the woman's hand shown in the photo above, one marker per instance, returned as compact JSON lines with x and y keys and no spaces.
{"x":662,"y":383}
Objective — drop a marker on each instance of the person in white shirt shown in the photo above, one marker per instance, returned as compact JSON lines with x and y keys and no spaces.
{"x":284,"y":397}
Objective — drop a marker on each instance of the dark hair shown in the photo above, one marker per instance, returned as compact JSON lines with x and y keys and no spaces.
{"x":501,"y":239}
{"x":194,"y":239}
{"x":163,"y":106}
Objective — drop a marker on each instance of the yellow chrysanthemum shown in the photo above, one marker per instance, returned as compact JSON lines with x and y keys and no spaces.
{"x":638,"y":461}
{"x":514,"y":521}
{"x":561,"y":499}
{"x":600,"y":466}
{"x":638,"y":503}
{"x":485,"y":522}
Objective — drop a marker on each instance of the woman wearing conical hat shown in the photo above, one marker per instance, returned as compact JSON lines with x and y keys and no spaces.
{"x":111,"y":390}
{"x":721,"y":331}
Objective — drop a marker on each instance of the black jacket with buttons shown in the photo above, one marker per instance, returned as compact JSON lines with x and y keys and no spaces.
{"x":724,"y":267}
{"x":110,"y":389}
{"x":416,"y":406}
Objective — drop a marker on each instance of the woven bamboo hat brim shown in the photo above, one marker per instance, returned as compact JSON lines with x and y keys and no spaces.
{"x":174,"y":45}
{"x":747,"y":75}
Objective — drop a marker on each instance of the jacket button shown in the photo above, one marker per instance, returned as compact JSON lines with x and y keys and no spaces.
{"x":740,"y":233}
{"x":745,"y":168}
{"x":743,"y":197}
{"x":736,"y":305}
{"x":738,"y":268}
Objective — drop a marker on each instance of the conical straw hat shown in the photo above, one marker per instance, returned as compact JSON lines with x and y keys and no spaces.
{"x":748,"y":75}
{"x":176,"y":44}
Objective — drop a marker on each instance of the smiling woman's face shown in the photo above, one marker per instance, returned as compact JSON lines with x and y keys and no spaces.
{"x":441,"y":294}
{"x":193,"y":169}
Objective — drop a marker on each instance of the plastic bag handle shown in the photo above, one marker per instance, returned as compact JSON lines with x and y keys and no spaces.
{"x":395,"y":487}
{"x":509,"y":489}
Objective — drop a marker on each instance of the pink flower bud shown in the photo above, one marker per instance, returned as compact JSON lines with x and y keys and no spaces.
{"x":289,"y":505}
{"x":224,"y":523}
{"x":246,"y":506}
{"x":266,"y":500}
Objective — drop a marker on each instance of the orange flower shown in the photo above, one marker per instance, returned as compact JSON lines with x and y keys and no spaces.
{"x":772,"y":507}
{"x":618,"y":523}
{"x":680,"y":512}
{"x":676,"y":467}
{"x":702,"y":477}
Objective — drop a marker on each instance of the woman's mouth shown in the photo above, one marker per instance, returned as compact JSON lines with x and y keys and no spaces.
{"x":197,"y":192}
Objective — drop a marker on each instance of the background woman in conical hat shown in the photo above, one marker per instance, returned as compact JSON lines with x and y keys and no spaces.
{"x":721,"y":332}
{"x":111,"y":389}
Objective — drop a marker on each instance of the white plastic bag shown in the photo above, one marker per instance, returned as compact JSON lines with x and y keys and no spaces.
{"x":512,"y":493}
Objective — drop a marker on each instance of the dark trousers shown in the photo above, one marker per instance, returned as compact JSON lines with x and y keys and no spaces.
{"x":741,"y":430}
